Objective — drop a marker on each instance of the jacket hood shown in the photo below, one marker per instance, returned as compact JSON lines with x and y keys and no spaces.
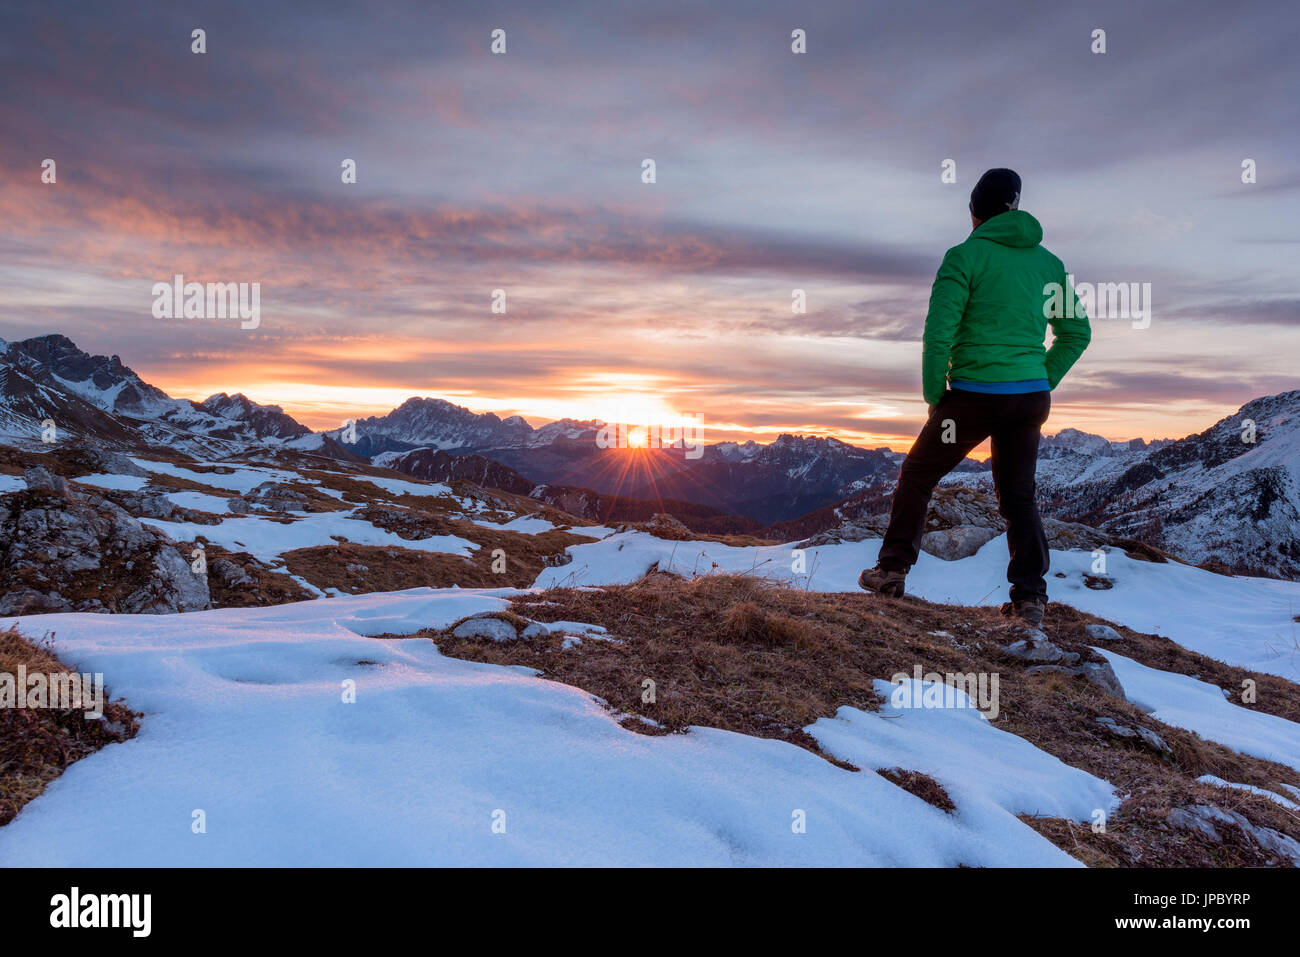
{"x":1015,"y":227}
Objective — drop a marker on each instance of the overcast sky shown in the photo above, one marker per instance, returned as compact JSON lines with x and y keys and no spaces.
{"x":522,"y":171}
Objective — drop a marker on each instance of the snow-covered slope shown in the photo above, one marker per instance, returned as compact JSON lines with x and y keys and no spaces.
{"x":1185,"y":702}
{"x":439,"y":761}
{"x":283,"y":728}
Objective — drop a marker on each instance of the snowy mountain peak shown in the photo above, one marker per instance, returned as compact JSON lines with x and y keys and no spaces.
{"x":103,"y":381}
{"x":439,"y":424}
{"x":49,"y":378}
{"x":568,"y":429}
{"x":254,"y":420}
{"x":787,"y":440}
{"x":737,"y":452}
{"x":1077,"y":441}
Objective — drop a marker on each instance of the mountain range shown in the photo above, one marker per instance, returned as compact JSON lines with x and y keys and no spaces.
{"x":48,"y":379}
{"x":1228,"y":496}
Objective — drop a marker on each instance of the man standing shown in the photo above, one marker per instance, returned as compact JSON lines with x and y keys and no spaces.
{"x":986,"y":374}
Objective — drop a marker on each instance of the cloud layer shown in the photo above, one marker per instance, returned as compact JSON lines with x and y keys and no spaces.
{"x":522,"y":172}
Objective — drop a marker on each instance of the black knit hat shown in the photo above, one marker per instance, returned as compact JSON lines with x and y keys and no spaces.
{"x":997,"y":191}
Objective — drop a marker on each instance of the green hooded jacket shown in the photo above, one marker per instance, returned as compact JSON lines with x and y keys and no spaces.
{"x":988,"y":317}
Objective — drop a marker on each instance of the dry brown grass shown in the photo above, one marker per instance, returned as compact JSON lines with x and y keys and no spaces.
{"x":267,"y":586}
{"x":388,"y":568}
{"x":922,"y":785}
{"x":68,"y":461}
{"x":358,"y":490}
{"x":356,"y":569}
{"x":504,"y":506}
{"x":736,"y":653}
{"x":36,"y":744}
{"x":175,"y":483}
{"x":734,"y":540}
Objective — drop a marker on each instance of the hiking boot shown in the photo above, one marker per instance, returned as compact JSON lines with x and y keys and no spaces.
{"x":1029,"y":611}
{"x":884,"y":581}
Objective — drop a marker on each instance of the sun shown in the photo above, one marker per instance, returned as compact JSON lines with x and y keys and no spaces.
{"x":633,"y":407}
{"x":638,"y":438}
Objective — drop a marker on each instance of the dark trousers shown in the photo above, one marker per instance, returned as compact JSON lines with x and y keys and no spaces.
{"x":965,"y":419}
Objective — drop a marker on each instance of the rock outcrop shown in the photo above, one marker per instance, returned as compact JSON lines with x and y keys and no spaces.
{"x":63,"y":549}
